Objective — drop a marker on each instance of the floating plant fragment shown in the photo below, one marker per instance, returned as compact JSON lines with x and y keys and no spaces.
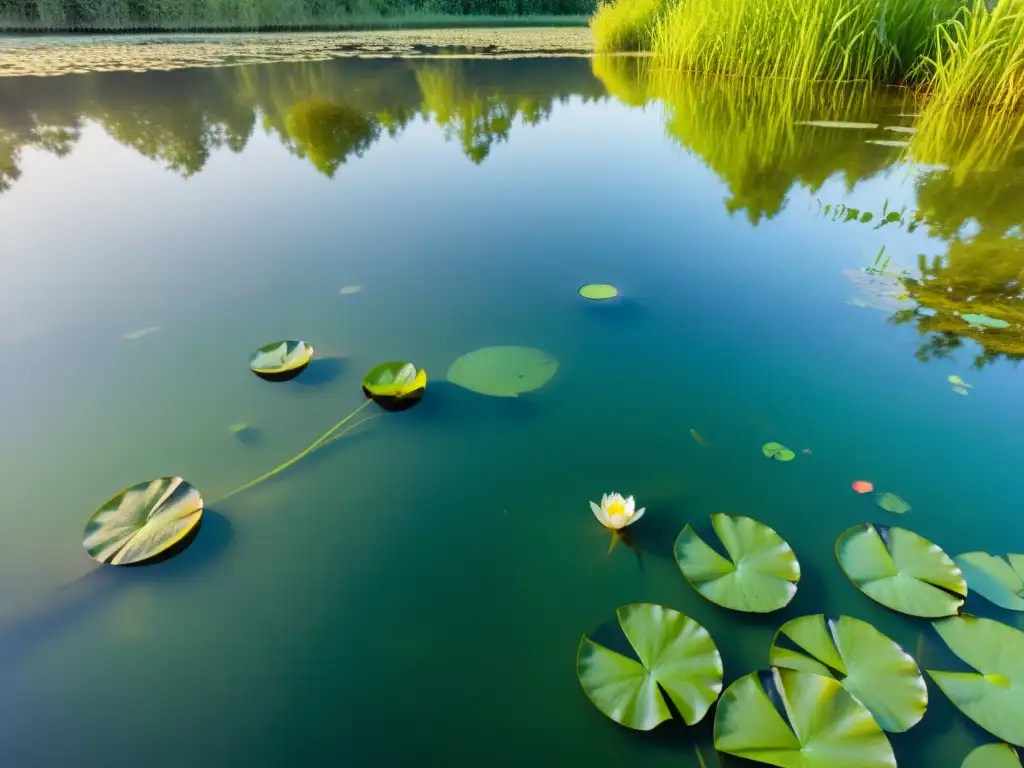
{"x":901,"y":570}
{"x":760,"y":575}
{"x":992,"y":756}
{"x":993,"y":697}
{"x":995,"y":579}
{"x":900,"y":129}
{"x":598,"y":291}
{"x":794,"y":719}
{"x":890,"y":502}
{"x":839,"y":124}
{"x":140,"y":333}
{"x":616,"y":512}
{"x":888,"y":143}
{"x":862,"y":486}
{"x":281,"y":360}
{"x":350,"y":289}
{"x":143,"y":521}
{"x":677,"y":658}
{"x":956,"y":381}
{"x":875,"y":670}
{"x":777,"y":451}
{"x":503,"y":371}
{"x":960,"y":391}
{"x":984,"y":321}
{"x":395,"y":385}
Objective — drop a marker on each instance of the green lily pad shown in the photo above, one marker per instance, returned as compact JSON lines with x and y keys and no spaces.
{"x":143,"y":521}
{"x":839,"y":124}
{"x":777,"y":451}
{"x":984,"y":321}
{"x":677,"y":657}
{"x":794,"y":719}
{"x":598,"y":291}
{"x":992,"y":756}
{"x":890,"y":502}
{"x":993,"y":696}
{"x":874,"y":669}
{"x":995,"y":579}
{"x":281,"y":360}
{"x":761,"y":575}
{"x":239,"y":427}
{"x":901,"y":570}
{"x":395,"y":385}
{"x":503,"y":371}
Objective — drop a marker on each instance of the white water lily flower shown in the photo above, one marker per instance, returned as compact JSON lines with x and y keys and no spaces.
{"x":616,"y":512}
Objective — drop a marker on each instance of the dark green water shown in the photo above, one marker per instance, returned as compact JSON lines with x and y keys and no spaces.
{"x":416,"y":593}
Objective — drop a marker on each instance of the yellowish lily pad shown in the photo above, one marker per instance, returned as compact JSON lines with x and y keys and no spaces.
{"x":598,"y":291}
{"x":890,"y":502}
{"x":395,"y":385}
{"x":281,"y":360}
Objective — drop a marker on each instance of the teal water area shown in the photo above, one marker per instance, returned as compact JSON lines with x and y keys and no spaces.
{"x":416,"y":592}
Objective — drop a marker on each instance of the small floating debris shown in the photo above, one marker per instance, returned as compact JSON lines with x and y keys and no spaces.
{"x":862,"y":486}
{"x":900,"y":129}
{"x":777,"y":451}
{"x":984,"y":321}
{"x":806,"y":450}
{"x":281,"y":360}
{"x":960,"y":391}
{"x":598,"y":291}
{"x":239,"y":427}
{"x":350,"y":289}
{"x":140,"y":333}
{"x":888,"y":143}
{"x":839,"y":124}
{"x":956,"y":381}
{"x":890,"y":502}
{"x":697,"y":437}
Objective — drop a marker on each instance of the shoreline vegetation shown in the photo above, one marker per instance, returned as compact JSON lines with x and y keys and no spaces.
{"x":964,"y":53}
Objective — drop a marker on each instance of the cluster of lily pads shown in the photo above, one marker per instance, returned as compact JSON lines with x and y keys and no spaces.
{"x":154,"y":519}
{"x":833,"y":687}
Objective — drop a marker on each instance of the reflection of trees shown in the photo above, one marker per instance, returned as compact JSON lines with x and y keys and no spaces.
{"x":324,"y":112}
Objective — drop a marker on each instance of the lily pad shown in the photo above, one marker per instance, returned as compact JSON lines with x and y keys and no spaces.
{"x":677,"y":657}
{"x":993,"y":696}
{"x":874,"y":669}
{"x":281,"y":360}
{"x":760,"y":576}
{"x":901,"y":570}
{"x":503,"y":371}
{"x":777,"y":451}
{"x":794,"y":719}
{"x":995,"y":579}
{"x":984,"y":321}
{"x":839,"y":124}
{"x":395,"y":385}
{"x":143,"y":521}
{"x":992,"y":756}
{"x":598,"y":291}
{"x":890,"y":502}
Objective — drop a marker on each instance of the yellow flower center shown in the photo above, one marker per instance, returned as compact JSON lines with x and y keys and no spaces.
{"x":616,"y":509}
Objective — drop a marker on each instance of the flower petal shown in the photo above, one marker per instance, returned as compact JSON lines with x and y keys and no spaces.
{"x":630,"y":506}
{"x":637,"y":515}
{"x":617,"y":522}
{"x":600,"y":514}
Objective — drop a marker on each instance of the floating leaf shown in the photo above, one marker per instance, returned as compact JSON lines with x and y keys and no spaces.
{"x":839,"y":124}
{"x":993,"y":697}
{"x":992,"y":756}
{"x":901,"y":570}
{"x":761,"y":575}
{"x":956,"y":381}
{"x":598,"y":291}
{"x":875,"y":670}
{"x":140,"y":333}
{"x":862,"y":486}
{"x":777,"y":451}
{"x":677,"y":657}
{"x":503,"y":371}
{"x":239,"y":427}
{"x":994,"y":579}
{"x":396,"y":384}
{"x":984,"y":321}
{"x":350,"y":289}
{"x":281,"y":360}
{"x":143,"y":521}
{"x":890,"y":502}
{"x":900,"y":129}
{"x":794,"y":719}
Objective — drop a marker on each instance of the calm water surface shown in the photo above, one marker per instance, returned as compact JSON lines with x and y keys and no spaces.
{"x":417,"y":591}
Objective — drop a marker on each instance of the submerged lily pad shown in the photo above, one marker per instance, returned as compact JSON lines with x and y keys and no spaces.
{"x":503,"y":371}
{"x":794,"y":719}
{"x":777,"y":451}
{"x":598,"y":291}
{"x":677,"y":657}
{"x":993,"y":697}
{"x":992,"y":756}
{"x":281,"y":360}
{"x":901,"y":570}
{"x":839,"y":124}
{"x":395,"y":385}
{"x":890,"y":502}
{"x":143,"y":521}
{"x":761,"y":575}
{"x":874,"y":669}
{"x":984,"y":321}
{"x":995,"y":579}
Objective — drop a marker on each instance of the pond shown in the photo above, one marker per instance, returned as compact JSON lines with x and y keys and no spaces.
{"x":418,"y":589}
